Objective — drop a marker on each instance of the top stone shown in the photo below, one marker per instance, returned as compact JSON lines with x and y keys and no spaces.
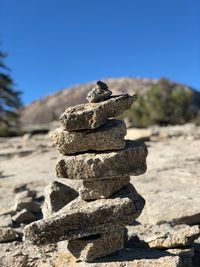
{"x":99,"y":93}
{"x":93,"y":115}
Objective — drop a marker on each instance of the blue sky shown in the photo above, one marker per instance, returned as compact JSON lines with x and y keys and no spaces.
{"x":53,"y":44}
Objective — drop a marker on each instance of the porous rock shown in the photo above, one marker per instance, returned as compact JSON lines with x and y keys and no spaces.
{"x":93,"y":115}
{"x":7,"y":234}
{"x":89,"y":166}
{"x":57,"y":195}
{"x":108,"y":137}
{"x":96,"y":246}
{"x":103,"y":188}
{"x":80,"y":218}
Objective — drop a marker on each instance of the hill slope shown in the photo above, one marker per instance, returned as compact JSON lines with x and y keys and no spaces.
{"x":49,"y":108}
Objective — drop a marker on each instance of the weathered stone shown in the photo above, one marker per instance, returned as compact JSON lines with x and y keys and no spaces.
{"x":162,"y":236}
{"x":7,"y":234}
{"x":93,"y":115}
{"x":127,"y":258}
{"x":108,"y":137}
{"x":104,"y":188}
{"x":99,"y":93}
{"x":96,"y":246}
{"x":24,"y":216}
{"x":57,"y":195}
{"x":89,"y":166}
{"x":80,"y":218}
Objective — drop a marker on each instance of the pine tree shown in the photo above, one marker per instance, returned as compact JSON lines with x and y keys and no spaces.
{"x":9,"y":98}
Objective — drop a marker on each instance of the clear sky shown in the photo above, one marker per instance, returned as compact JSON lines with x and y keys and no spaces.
{"x":58,"y":43}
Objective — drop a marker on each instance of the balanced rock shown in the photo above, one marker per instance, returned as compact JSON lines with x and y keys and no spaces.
{"x":87,"y":248}
{"x":80,"y":218}
{"x":94,"y":115}
{"x":99,"y":93}
{"x":57,"y":195}
{"x":89,"y":166}
{"x":110,"y":136}
{"x":103,"y":188}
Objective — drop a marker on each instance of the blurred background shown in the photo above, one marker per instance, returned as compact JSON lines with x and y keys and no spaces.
{"x":52,"y":52}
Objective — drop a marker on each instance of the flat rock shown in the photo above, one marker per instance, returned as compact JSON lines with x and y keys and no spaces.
{"x":94,"y":166}
{"x":57,"y":195}
{"x":107,"y":137}
{"x":103,"y":188}
{"x":94,"y":115}
{"x":126,"y":258}
{"x":80,"y":218}
{"x":162,"y":236}
{"x":7,"y":234}
{"x":92,"y":247}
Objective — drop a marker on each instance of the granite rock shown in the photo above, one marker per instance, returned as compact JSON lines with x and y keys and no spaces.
{"x":94,"y":166}
{"x":93,"y":115}
{"x":92,"y":247}
{"x":81,"y":218}
{"x":57,"y":195}
{"x":103,"y":188}
{"x":107,"y":137}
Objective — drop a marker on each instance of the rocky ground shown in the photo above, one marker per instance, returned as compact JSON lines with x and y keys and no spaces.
{"x":166,"y":233}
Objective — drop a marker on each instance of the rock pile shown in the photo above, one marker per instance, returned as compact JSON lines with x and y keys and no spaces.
{"x":94,"y":151}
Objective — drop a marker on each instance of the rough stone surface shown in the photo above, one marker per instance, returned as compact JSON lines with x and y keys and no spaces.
{"x":80,"y":218}
{"x":126,"y":258}
{"x":162,"y":236}
{"x":108,"y":137}
{"x":99,"y":93}
{"x":7,"y":234}
{"x":104,"y":188}
{"x":93,"y":247}
{"x":28,"y":204}
{"x":89,"y":166}
{"x":57,"y":195}
{"x":93,"y":115}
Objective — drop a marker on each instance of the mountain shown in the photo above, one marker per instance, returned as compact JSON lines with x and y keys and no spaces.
{"x":50,"y":107}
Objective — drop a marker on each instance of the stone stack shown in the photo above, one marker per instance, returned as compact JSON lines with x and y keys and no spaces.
{"x":94,"y":151}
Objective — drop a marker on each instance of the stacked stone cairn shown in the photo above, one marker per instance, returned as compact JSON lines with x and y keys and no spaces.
{"x":94,"y":151}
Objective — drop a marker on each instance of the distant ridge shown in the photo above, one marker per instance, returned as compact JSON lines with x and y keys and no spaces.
{"x":49,"y":108}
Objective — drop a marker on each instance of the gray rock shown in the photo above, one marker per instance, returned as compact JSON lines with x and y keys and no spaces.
{"x":104,"y":188}
{"x":93,"y":115}
{"x":57,"y":195}
{"x":80,"y":218}
{"x":7,"y":234}
{"x":92,"y":247}
{"x":24,"y":216}
{"x":99,"y":93}
{"x":108,"y":137}
{"x":89,"y":166}
{"x":162,"y":236}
